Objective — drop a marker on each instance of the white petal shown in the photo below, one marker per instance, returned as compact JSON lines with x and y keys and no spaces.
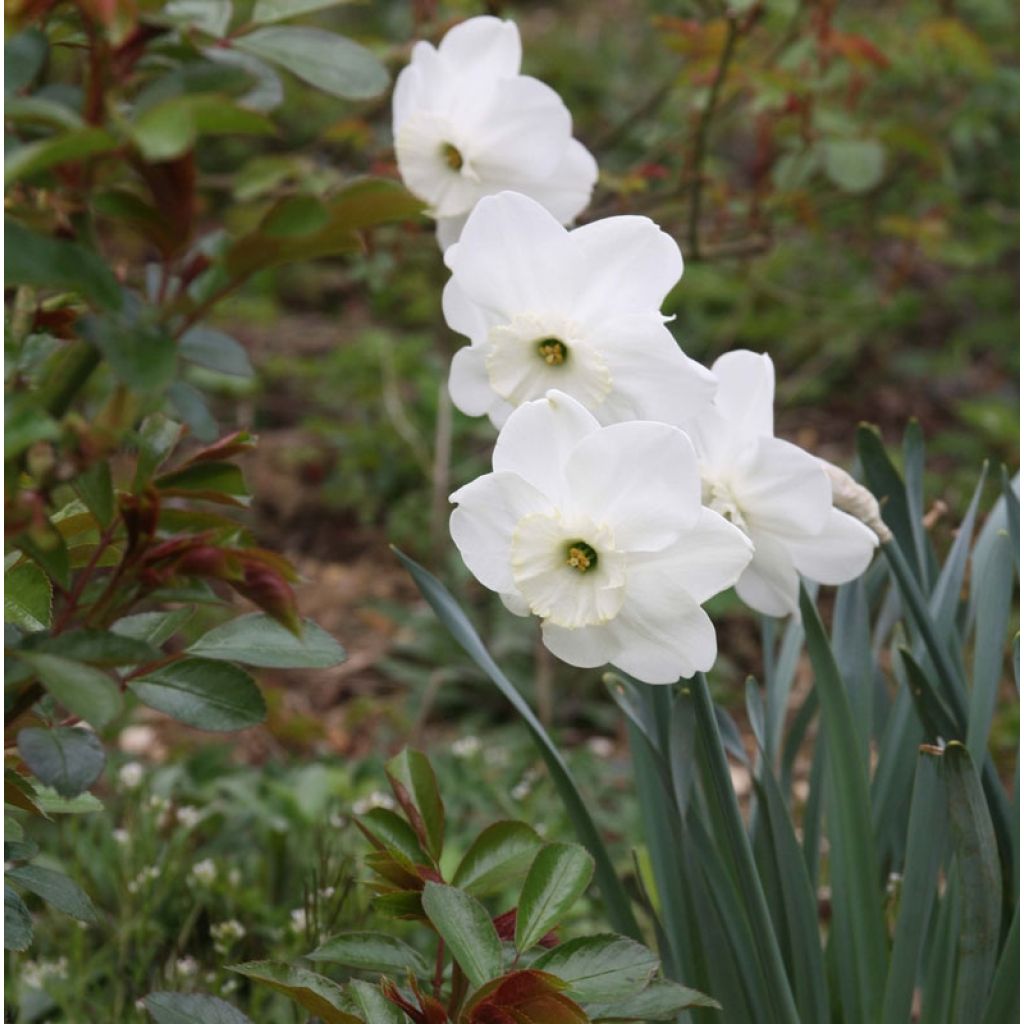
{"x":511,"y":256}
{"x":484,"y":45}
{"x":419,"y":149}
{"x":449,"y":229}
{"x":585,"y":647}
{"x":770,"y":583}
{"x":488,"y":510}
{"x":516,"y":604}
{"x":639,"y":478}
{"x":623,"y":265}
{"x":706,"y":560}
{"x":537,"y":439}
{"x":462,"y":314}
{"x":652,"y":378}
{"x":781,"y":489}
{"x":566,"y":192}
{"x":746,"y":392}
{"x":840,"y":553}
{"x":467,"y":382}
{"x":663,"y":641}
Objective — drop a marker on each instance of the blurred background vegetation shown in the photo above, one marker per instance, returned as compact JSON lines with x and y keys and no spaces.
{"x":842,"y":179}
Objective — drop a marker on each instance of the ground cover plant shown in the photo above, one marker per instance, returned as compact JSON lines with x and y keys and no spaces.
{"x":811,"y":823}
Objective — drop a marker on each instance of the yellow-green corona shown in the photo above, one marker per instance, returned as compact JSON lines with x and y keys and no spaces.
{"x":553,"y":351}
{"x":581,"y":556}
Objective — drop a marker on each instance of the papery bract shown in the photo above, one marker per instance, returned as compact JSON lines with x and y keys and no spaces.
{"x":577,"y":311}
{"x":600,"y":532}
{"x":777,"y":493}
{"x":467,"y":124}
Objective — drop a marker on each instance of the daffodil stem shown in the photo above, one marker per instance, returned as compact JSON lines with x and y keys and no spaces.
{"x":700,"y":142}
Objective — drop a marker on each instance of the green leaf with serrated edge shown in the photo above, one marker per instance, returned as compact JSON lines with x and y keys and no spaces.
{"x":558,"y":876}
{"x":70,"y":147}
{"x":372,"y":1004}
{"x":48,"y":549}
{"x":191,"y":1008}
{"x":917,"y":887}
{"x":44,"y":262}
{"x":661,"y":1000}
{"x":17,"y":921}
{"x":152,"y":627}
{"x":850,"y":820}
{"x":28,"y":597}
{"x":312,"y":991}
{"x":259,"y":640}
{"x":329,"y":62}
{"x":69,"y":760}
{"x":25,"y":423}
{"x":215,"y":350}
{"x":617,"y":902}
{"x":600,"y":968}
{"x":266,"y":11}
{"x":56,"y":889}
{"x":401,"y":905}
{"x":499,"y":855}
{"x":370,"y":951}
{"x":96,"y":489}
{"x":392,"y":833}
{"x":82,"y":689}
{"x":98,"y":647}
{"x":467,"y":929}
{"x":157,"y":437}
{"x":210,"y":695}
{"x":974,"y":844}
{"x":221,"y":482}
{"x":415,"y":786}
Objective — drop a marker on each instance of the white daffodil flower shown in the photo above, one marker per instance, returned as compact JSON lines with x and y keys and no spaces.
{"x":600,"y":532}
{"x":779,"y":495}
{"x":576,"y":311}
{"x":467,"y":124}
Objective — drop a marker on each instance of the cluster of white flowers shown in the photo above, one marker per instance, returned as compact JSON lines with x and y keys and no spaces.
{"x":205,"y":872}
{"x":630,"y":484}
{"x":376,"y":799}
{"x":225,"y":934}
{"x":35,"y":973}
{"x":143,"y":879}
{"x":131,"y":774}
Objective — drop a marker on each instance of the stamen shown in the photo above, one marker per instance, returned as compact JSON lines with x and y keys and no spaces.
{"x":552,"y":351}
{"x":582,"y":556}
{"x":452,"y":157}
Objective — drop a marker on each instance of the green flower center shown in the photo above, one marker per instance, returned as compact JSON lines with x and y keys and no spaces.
{"x":552,"y":351}
{"x":452,"y":157}
{"x":581,"y":556}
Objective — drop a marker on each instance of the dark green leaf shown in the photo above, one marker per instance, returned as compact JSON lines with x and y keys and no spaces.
{"x":28,"y":597}
{"x":38,"y":110}
{"x":69,"y":760}
{"x":371,"y":951}
{"x":98,"y":647}
{"x":617,"y":902}
{"x":1004,"y":999}
{"x":170,"y":129}
{"x":258,"y":640}
{"x":205,"y":694}
{"x":191,"y":406}
{"x":191,"y":1008}
{"x":96,"y":489}
{"x":71,"y":147}
{"x":294,"y":216}
{"x":142,"y":355}
{"x":600,"y":968}
{"x":25,"y":423}
{"x":24,"y":56}
{"x":661,"y":1000}
{"x":415,"y":786}
{"x":53,"y":263}
{"x":885,"y":484}
{"x":82,"y":689}
{"x":210,"y":16}
{"x":311,"y":991}
{"x":267,"y":11}
{"x":499,"y":855}
{"x":392,"y":834}
{"x":558,"y":876}
{"x":17,"y":921}
{"x":327,"y":61}
{"x":222,"y":482}
{"x":157,"y":438}
{"x":216,"y":351}
{"x":46,"y":546}
{"x":57,"y":889}
{"x":467,"y":930}
{"x":152,"y":627}
{"x":373,"y":1006}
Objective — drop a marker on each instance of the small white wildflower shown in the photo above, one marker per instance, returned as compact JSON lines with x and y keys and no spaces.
{"x":375,"y":799}
{"x":466,"y":746}
{"x":336,"y":820}
{"x":122,"y":836}
{"x":541,"y":828}
{"x":496,"y":757}
{"x":521,"y":790}
{"x":131,"y":775}
{"x":205,"y":872}
{"x":600,"y":746}
{"x":235,"y":877}
{"x":188,"y":816}
{"x":32,"y":974}
{"x":140,"y":1005}
{"x":228,"y":987}
{"x":157,"y":803}
{"x":186,"y":967}
{"x":327,"y":892}
{"x":298,"y":919}
{"x":226,"y":934}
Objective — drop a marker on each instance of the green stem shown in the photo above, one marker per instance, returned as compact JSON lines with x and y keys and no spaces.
{"x":700,"y":142}
{"x":74,"y":368}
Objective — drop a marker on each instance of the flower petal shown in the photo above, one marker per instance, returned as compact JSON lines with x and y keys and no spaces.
{"x":468,"y":384}
{"x":537,"y":438}
{"x":462,"y":314}
{"x":623,"y":265}
{"x":639,"y":478}
{"x":746,"y":392}
{"x":448,"y":230}
{"x":567,"y":190}
{"x":585,"y":647}
{"x":488,"y":510}
{"x":770,"y":583}
{"x":484,"y":46}
{"x":840,"y":553}
{"x":511,"y":256}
